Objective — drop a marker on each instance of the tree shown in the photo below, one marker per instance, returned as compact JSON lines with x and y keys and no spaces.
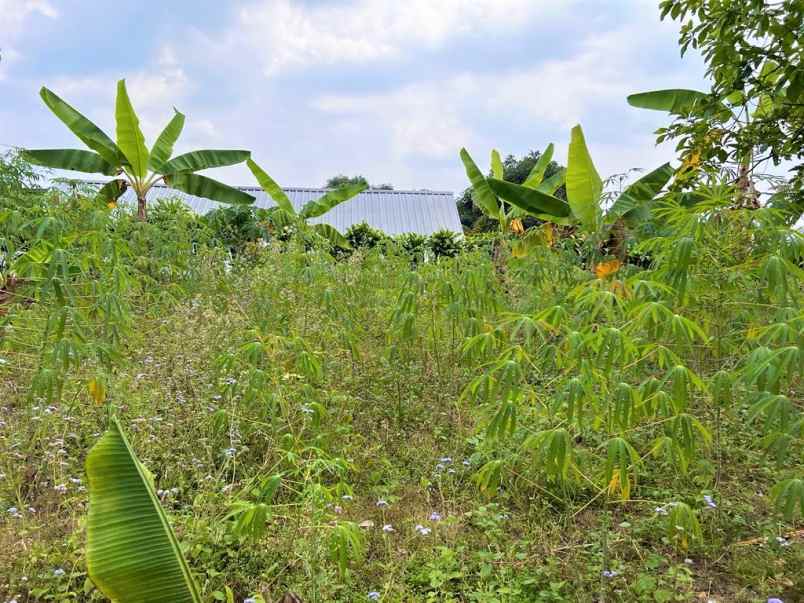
{"x":342,"y":180}
{"x":514,"y":170}
{"x":130,"y":161}
{"x":755,"y":109}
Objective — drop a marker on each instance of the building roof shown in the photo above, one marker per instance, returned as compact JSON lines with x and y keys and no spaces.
{"x":394,"y":212}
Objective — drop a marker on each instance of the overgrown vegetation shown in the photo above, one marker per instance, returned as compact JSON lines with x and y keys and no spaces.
{"x":599,"y":401}
{"x":338,"y":425}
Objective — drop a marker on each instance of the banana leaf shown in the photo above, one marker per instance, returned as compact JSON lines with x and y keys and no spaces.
{"x":271,"y":187}
{"x":536,"y":175}
{"x":640,"y":192}
{"x":482,"y":193}
{"x":132,"y":554}
{"x":331,"y":234}
{"x":163,"y":147}
{"x":584,"y":185}
{"x":532,"y":201}
{"x":70,"y":159}
{"x":202,"y":160}
{"x":90,"y":134}
{"x":129,"y":136}
{"x":201,"y":186}
{"x":112,"y":191}
{"x":326,"y":202}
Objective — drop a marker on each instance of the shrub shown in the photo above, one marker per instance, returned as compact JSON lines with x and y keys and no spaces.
{"x":445,"y":243}
{"x":364,"y":236}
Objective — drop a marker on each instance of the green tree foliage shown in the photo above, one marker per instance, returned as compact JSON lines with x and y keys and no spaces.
{"x":755,"y":109}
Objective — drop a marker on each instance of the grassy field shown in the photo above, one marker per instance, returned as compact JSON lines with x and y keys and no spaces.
{"x":372,"y":427}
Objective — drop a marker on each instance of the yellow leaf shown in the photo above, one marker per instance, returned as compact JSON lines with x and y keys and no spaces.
{"x":97,"y":390}
{"x":111,"y":205}
{"x":519,"y":250}
{"x":604,"y":269}
{"x":549,"y":233}
{"x":623,"y":485}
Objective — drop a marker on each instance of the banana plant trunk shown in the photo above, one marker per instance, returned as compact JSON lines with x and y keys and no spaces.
{"x":142,"y":212}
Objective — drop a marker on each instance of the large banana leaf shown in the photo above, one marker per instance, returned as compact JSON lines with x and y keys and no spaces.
{"x":482,"y":193}
{"x":271,"y":187}
{"x":497,"y":168}
{"x":163,"y":147}
{"x":326,"y":202}
{"x":553,"y":183}
{"x":201,"y":186}
{"x":331,"y":234}
{"x":640,"y":192}
{"x":536,"y":175}
{"x":532,"y":201}
{"x":129,"y":136}
{"x":202,"y":160}
{"x":132,"y":554}
{"x":70,"y":159}
{"x":112,"y":191}
{"x":584,"y":185}
{"x":677,"y":101}
{"x":90,"y":134}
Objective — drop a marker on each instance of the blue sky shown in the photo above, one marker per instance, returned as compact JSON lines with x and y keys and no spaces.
{"x":383,"y":88}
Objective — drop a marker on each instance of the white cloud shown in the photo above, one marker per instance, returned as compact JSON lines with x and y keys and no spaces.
{"x":13,"y":15}
{"x":287,"y":34}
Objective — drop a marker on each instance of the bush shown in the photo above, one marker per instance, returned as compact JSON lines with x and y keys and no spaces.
{"x":363,"y":236}
{"x":445,"y":243}
{"x":235,"y":226}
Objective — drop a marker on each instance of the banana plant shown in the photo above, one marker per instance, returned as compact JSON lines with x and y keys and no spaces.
{"x":286,"y":214}
{"x":130,"y":161}
{"x":132,"y":553}
{"x":584,"y":206}
{"x":491,"y":200}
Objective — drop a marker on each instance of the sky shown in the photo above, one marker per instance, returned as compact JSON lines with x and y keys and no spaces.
{"x":387,"y":89}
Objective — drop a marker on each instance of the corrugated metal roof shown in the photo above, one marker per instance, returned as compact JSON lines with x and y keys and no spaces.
{"x":393,"y":212}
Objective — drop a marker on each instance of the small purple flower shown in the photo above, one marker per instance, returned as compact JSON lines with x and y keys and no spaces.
{"x":709,"y":502}
{"x":435,"y":516}
{"x":775,"y":600}
{"x":230,"y":452}
{"x":382,"y":503}
{"x":250,"y":600}
{"x":61,"y":488}
{"x":466,"y":462}
{"x":661,"y":510}
{"x":374,"y":596}
{"x":445,"y":459}
{"x":58,"y":572}
{"x":609,"y":573}
{"x":347,"y":497}
{"x":388,"y":528}
{"x":422,"y":530}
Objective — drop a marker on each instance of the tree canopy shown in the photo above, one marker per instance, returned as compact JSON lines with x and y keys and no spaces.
{"x":753,"y":51}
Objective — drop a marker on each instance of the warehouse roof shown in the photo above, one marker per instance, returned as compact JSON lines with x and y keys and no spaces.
{"x":394,"y":212}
